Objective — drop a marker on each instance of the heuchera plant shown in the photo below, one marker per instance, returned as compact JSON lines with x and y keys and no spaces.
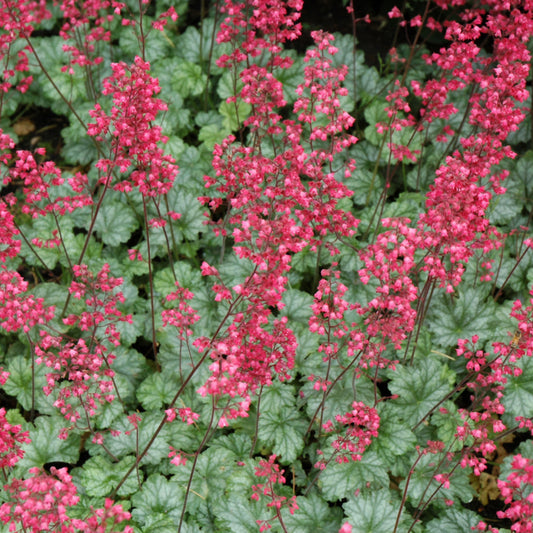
{"x":249,"y":285}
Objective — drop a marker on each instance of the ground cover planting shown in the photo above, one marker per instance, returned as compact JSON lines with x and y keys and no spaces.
{"x":255,"y":276}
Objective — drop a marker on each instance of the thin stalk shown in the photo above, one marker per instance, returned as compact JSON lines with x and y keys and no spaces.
{"x":151,"y":284}
{"x":176,"y":396}
{"x":256,"y":433}
{"x":207,"y":434}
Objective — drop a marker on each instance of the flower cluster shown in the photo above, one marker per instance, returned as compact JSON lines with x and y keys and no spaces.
{"x":10,"y":439}
{"x":273,"y":475}
{"x":177,"y":457}
{"x":40,"y":503}
{"x":19,"y":311}
{"x":132,"y":137}
{"x":246,"y":358}
{"x":329,"y":308}
{"x":455,"y":224}
{"x":84,"y":27}
{"x":488,"y":377}
{"x":101,"y":300}
{"x":453,"y":228}
{"x":9,"y":246}
{"x":482,"y":420}
{"x":81,"y":369}
{"x":279,"y":204}
{"x":517,"y":492}
{"x":183,"y":316}
{"x":360,"y":425}
{"x":389,"y":316}
{"x":17,"y":22}
{"x":269,"y":25}
{"x":185,"y":413}
{"x":38,"y":181}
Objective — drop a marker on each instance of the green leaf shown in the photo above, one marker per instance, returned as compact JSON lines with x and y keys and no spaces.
{"x":126,"y":442}
{"x":191,"y":223}
{"x":100,"y":477}
{"x":297,"y":306}
{"x":194,"y":164}
{"x":46,"y":446}
{"x":453,"y":318}
{"x":291,"y":77}
{"x":190,"y":45}
{"x":375,"y":113}
{"x":159,"y":523}
{"x":525,"y":449}
{"x":313,"y":515}
{"x":238,"y":444}
{"x":454,"y":520}
{"x":52,"y":59}
{"x":520,"y":280}
{"x":82,"y":152}
{"x":175,"y":355}
{"x":419,"y":388}
{"x":284,"y":429}
{"x":115,"y":223}
{"x":234,"y":270}
{"x":228,"y":85}
{"x":164,"y":281}
{"x":408,"y":205}
{"x":43,"y":228}
{"x":52,"y":293}
{"x":189,"y":528}
{"x":395,"y":436}
{"x":188,"y":79}
{"x":423,"y":485}
{"x":158,"y":496}
{"x":130,"y":331}
{"x":19,"y":384}
{"x":234,"y":116}
{"x":367,"y":186}
{"x":518,"y":397}
{"x":93,"y":254}
{"x":341,"y":397}
{"x":307,"y":347}
{"x":277,"y":397}
{"x":110,"y":411}
{"x":369,"y":83}
{"x":236,"y":516}
{"x":157,"y":390}
{"x":213,"y":468}
{"x":157,"y":44}
{"x":212,"y":134}
{"x":196,"y":48}
{"x":241,"y":479}
{"x":422,"y":176}
{"x":504,"y":208}
{"x":130,"y":364}
{"x":374,"y":512}
{"x":447,"y":423}
{"x":340,"y":480}
{"x":79,"y":147}
{"x":177,"y":119}
{"x":523,"y":174}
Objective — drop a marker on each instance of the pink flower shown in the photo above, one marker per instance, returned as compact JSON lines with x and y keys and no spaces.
{"x":361,"y":424}
{"x":394,"y":13}
{"x":129,"y":128}
{"x":41,"y":503}
{"x":273,"y":476}
{"x":20,"y":311}
{"x":10,"y":439}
